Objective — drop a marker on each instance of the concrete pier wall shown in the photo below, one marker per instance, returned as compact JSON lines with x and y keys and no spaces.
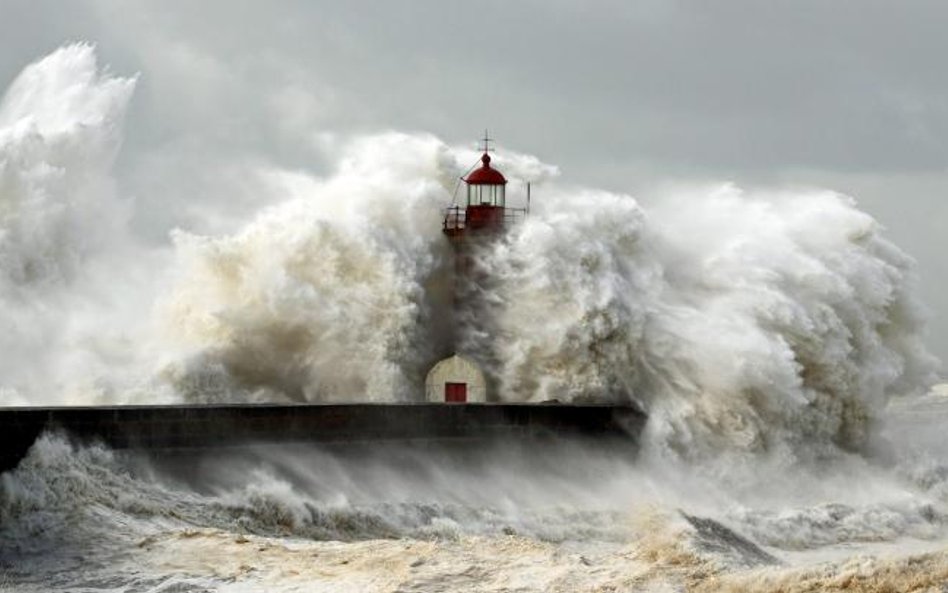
{"x":156,"y":428}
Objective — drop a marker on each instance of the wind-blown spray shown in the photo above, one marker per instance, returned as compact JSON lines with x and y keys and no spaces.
{"x":322,"y":297}
{"x":748,"y":321}
{"x":63,"y":242}
{"x":740,"y":320}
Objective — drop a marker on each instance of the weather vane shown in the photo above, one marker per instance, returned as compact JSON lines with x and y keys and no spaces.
{"x":486,"y":140}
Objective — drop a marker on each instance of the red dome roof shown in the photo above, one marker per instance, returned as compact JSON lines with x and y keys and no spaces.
{"x":485,"y":175}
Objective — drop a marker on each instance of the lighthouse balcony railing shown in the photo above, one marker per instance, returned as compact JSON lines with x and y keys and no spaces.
{"x":514,"y":215}
{"x":455,"y":217}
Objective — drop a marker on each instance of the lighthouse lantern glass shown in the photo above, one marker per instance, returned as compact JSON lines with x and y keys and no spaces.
{"x":485,"y":195}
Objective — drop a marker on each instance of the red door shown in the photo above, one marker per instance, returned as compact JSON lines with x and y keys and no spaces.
{"x":455,"y":392}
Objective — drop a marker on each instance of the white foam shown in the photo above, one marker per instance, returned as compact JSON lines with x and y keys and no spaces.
{"x":771,"y":321}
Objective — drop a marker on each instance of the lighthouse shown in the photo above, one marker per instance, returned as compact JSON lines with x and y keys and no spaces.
{"x":485,"y":213}
{"x":472,"y":227}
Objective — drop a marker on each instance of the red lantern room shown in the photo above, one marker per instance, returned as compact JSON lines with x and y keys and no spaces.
{"x":486,"y":210}
{"x":485,"y":197}
{"x":485,"y":185}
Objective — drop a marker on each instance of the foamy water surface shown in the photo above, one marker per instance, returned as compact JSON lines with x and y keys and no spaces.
{"x":567,"y":518}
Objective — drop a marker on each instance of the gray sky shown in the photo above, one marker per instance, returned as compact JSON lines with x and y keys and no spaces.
{"x":628,"y":96}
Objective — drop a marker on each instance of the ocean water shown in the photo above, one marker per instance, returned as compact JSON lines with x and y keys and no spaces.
{"x":772,"y":336}
{"x":504,"y":517}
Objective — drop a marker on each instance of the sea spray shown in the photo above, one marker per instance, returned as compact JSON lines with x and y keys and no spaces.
{"x":68,"y":298}
{"x":349,"y":493}
{"x":109,"y":520}
{"x":748,"y":321}
{"x":776,"y":322}
{"x":328,"y":296}
{"x":765,"y":322}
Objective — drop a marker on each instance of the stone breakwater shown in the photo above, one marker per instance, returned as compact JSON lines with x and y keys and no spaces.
{"x":184,"y":428}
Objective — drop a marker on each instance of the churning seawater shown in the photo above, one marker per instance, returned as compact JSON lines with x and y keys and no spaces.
{"x":565,"y":517}
{"x":772,"y":336}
